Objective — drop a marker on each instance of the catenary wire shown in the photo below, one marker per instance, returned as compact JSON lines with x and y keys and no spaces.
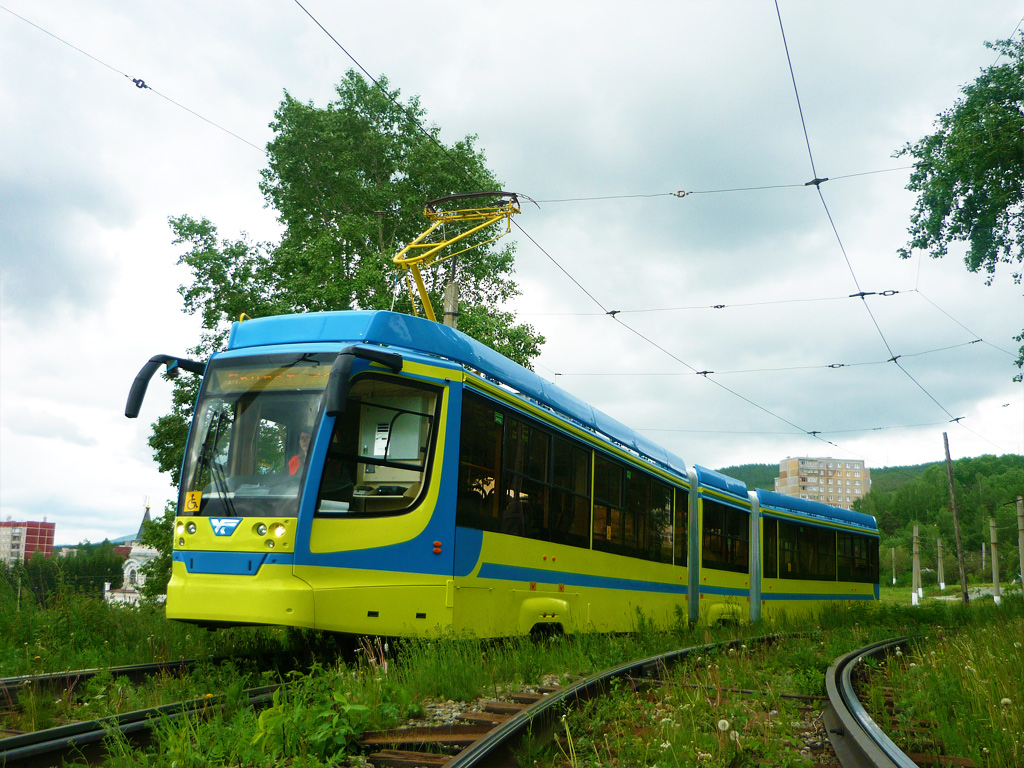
{"x":138,"y":81}
{"x":816,"y":181}
{"x":686,"y":193}
{"x":565,"y":271}
{"x":772,"y":370}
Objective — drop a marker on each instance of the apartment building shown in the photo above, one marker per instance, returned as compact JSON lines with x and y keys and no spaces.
{"x":20,"y":540}
{"x":837,"y":482}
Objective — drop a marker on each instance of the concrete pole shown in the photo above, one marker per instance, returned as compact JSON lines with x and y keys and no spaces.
{"x":915,"y":589}
{"x":451,"y":304}
{"x":1020,"y":540}
{"x":942,"y":572}
{"x":894,"y":566}
{"x":956,"y":524}
{"x":997,"y":595}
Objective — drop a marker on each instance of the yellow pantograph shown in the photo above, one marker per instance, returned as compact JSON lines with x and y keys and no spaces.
{"x":420,"y":253}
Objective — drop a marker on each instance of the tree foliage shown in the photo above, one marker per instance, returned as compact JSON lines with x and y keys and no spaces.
{"x":969,"y":174}
{"x":159,"y":534}
{"x":349,"y":182}
{"x":986,"y":487}
{"x":83,"y":572}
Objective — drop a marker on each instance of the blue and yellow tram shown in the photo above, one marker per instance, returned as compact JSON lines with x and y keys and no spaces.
{"x":377,"y":473}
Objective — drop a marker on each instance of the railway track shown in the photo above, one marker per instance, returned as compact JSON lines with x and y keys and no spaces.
{"x":491,"y":739}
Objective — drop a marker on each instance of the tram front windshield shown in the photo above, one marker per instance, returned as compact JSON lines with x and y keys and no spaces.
{"x":253,"y":427}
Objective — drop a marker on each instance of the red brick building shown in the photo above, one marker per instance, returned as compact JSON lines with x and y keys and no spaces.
{"x":21,"y":540}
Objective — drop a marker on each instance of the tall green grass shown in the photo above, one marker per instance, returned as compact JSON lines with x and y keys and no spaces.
{"x":79,"y":632}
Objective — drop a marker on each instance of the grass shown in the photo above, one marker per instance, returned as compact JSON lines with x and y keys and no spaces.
{"x":76,"y":632}
{"x":967,"y":683}
{"x":692,"y":719}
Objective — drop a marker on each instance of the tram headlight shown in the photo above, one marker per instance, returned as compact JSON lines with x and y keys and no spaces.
{"x":179,"y":528}
{"x":270,"y":543}
{"x":191,"y":528}
{"x":261,"y":529}
{"x":280,"y":530}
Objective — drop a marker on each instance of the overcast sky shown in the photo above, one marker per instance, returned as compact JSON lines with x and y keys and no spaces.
{"x":629,"y":102}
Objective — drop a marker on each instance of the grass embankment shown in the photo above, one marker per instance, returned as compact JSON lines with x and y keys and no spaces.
{"x":691,"y":720}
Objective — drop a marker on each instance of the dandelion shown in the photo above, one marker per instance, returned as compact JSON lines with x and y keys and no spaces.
{"x":743,"y":647}
{"x":912,"y":665}
{"x":723,"y":725}
{"x":1005,"y":702}
{"x":735,"y":736}
{"x":669,"y":719}
{"x":666,"y":744}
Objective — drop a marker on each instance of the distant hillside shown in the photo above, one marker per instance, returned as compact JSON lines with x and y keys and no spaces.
{"x":889,"y":479}
{"x":754,"y":475}
{"x":884,"y":480}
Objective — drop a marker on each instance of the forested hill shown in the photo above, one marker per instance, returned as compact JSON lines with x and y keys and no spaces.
{"x":754,"y":475}
{"x":986,"y":486}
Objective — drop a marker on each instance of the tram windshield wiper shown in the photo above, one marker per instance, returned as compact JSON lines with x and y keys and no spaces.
{"x":207,"y":459}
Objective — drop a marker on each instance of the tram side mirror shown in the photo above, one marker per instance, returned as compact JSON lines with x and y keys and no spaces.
{"x":339,"y":384}
{"x":139,"y":386}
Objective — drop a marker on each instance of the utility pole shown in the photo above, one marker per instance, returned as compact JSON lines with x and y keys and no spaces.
{"x":942,"y":573}
{"x":451,"y":304}
{"x":1020,"y":539}
{"x":894,"y":566}
{"x":956,"y":524}
{"x":915,"y":588}
{"x":997,"y":595}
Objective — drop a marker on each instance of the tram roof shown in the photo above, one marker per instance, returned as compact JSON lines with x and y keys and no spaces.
{"x":770,"y":500}
{"x":729,"y":485}
{"x":424,"y":336}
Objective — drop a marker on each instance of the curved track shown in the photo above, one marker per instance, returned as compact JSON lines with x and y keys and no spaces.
{"x":858,"y":741}
{"x":856,"y":738}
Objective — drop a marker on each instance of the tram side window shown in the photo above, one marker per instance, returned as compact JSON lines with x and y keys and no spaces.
{"x":524,"y":481}
{"x":770,"y":550}
{"x":682,"y":524}
{"x":857,"y":558}
{"x":479,"y":462}
{"x":726,"y":537}
{"x":789,"y":537}
{"x":635,"y":520}
{"x":807,"y":552}
{"x":380,"y":449}
{"x":826,"y":554}
{"x":659,"y":543}
{"x":608,"y":510}
{"x":570,"y":494}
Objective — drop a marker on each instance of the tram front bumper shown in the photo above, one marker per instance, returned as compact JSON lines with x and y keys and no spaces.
{"x":272,"y":595}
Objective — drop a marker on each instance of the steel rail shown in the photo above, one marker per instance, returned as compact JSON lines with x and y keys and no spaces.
{"x":55,"y":746}
{"x":497,"y":747}
{"x":10,"y":686}
{"x":856,"y":738}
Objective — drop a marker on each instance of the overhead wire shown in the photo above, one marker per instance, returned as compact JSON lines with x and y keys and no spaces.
{"x":833,"y":366}
{"x":143,"y":85}
{"x":816,"y":182}
{"x":137,"y":81}
{"x":614,"y":313}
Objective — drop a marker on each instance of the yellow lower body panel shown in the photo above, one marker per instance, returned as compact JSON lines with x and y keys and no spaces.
{"x":406,"y":611}
{"x":271,"y":596}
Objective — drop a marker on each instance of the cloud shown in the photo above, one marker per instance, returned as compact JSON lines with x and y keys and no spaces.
{"x":30,"y":423}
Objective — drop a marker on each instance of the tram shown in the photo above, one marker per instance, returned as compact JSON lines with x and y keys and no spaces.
{"x":369,"y":472}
